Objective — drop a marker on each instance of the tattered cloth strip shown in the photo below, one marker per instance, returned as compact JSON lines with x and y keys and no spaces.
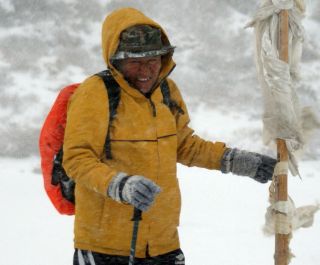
{"x":282,"y":113}
{"x":282,"y":217}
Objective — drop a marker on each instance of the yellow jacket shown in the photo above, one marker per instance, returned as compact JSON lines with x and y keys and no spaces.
{"x":141,"y":144}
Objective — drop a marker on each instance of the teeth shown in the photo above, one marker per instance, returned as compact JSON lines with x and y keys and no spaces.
{"x":143,"y":79}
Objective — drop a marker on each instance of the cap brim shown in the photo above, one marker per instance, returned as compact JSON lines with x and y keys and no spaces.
{"x":124,"y":55}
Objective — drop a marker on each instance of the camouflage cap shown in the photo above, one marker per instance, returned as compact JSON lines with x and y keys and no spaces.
{"x":141,"y":41}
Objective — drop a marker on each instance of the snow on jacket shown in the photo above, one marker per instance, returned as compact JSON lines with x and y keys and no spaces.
{"x":141,"y":144}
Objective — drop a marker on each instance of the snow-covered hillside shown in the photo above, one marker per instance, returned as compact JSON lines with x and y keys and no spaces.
{"x":46,"y":45}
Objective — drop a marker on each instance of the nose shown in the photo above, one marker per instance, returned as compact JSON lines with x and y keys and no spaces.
{"x":145,"y":68}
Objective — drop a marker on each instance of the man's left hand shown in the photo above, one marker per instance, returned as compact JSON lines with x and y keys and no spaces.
{"x":244,"y":163}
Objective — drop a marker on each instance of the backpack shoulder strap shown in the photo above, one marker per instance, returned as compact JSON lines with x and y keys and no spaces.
{"x":167,"y":100}
{"x":113,"y":90}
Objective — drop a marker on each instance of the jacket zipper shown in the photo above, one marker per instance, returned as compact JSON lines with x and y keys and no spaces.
{"x":154,"y":112}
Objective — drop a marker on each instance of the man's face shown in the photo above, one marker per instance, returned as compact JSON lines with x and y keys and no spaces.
{"x":141,"y":73}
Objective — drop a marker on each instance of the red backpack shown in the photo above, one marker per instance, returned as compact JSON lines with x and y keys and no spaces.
{"x":50,"y":142}
{"x":59,"y":187}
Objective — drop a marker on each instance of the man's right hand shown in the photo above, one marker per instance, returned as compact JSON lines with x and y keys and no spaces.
{"x":135,"y":190}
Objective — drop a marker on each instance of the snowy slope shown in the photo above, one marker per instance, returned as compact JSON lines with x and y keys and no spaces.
{"x":221,"y":220}
{"x":46,"y":45}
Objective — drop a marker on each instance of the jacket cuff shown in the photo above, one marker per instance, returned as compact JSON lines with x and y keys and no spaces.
{"x":116,"y":186}
{"x":227,"y":160}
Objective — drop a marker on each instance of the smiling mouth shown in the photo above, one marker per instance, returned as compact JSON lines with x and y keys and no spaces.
{"x":144,"y":79}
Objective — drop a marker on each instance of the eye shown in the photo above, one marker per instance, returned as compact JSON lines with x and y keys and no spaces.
{"x":134,"y":62}
{"x":153,"y":61}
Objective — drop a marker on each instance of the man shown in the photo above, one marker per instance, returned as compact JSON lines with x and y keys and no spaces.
{"x":147,"y":140}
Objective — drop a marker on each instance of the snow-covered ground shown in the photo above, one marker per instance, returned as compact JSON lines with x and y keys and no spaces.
{"x":221,"y":221}
{"x":223,"y":216}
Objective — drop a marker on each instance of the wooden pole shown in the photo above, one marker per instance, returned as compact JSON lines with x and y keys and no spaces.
{"x":282,"y":240}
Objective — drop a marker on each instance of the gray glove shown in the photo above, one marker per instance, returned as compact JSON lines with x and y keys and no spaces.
{"x":243,"y":163}
{"x":135,"y":190}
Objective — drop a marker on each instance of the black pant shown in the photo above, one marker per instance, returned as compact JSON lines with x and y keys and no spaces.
{"x":83,"y":257}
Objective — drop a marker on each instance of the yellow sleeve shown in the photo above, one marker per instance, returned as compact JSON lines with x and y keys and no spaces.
{"x":193,"y":150}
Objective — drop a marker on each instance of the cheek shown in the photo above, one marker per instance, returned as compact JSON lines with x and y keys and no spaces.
{"x":130,"y":73}
{"x":156,"y":69}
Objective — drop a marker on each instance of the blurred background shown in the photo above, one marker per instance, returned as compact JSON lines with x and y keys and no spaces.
{"x":46,"y":45}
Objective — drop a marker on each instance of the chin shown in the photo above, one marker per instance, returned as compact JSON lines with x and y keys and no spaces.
{"x":144,"y":89}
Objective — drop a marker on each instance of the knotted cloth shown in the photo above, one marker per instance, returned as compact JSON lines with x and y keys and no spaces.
{"x":282,"y":217}
{"x":283,"y":117}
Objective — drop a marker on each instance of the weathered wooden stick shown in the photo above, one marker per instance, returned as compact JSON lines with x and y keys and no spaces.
{"x":281,"y":240}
